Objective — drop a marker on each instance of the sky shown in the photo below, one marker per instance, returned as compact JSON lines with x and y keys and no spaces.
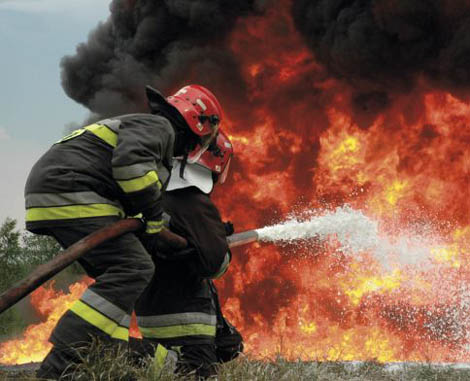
{"x":34,"y":110}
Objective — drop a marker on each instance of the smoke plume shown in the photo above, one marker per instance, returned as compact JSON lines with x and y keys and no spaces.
{"x":162,"y":43}
{"x":386,"y":46}
{"x":380,"y":47}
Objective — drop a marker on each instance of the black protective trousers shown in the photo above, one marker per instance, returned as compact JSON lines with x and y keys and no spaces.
{"x":122,"y":268}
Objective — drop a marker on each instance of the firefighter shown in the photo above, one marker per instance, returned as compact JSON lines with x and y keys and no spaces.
{"x":180,"y":308}
{"x":99,"y":174}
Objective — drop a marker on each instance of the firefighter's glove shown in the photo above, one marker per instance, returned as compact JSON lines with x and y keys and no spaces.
{"x":183,"y":255}
{"x":158,"y":240}
{"x":229,"y":229}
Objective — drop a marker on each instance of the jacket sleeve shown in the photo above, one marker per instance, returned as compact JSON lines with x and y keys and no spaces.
{"x":144,"y":141}
{"x":194,"y":216}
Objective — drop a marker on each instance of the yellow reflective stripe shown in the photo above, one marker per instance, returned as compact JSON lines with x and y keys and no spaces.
{"x":140,"y":183}
{"x":153,"y":227}
{"x":159,"y":361}
{"x":121,"y":333}
{"x":104,"y":133}
{"x":72,"y":211}
{"x":100,"y":321}
{"x":71,"y":135}
{"x":178,"y":331}
{"x":153,"y":230}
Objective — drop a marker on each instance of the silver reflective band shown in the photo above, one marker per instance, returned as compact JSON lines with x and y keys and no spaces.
{"x":223,"y":267}
{"x":176,"y":319}
{"x":134,"y":170}
{"x":166,"y":219}
{"x":201,"y":103}
{"x":106,"y":308}
{"x":163,"y":173}
{"x":112,"y":124}
{"x":68,"y":198}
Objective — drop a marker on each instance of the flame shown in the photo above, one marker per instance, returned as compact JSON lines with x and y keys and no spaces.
{"x":49,"y":304}
{"x":407,"y":168}
{"x":302,"y":146}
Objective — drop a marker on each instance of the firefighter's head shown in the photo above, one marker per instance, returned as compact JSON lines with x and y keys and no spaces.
{"x":196,"y":114}
{"x":211,"y":168}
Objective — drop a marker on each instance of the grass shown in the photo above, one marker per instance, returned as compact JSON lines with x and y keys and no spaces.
{"x":104,"y":364}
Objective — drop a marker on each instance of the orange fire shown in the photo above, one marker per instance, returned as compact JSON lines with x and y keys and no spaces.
{"x":49,"y":304}
{"x":408,"y":168}
{"x":302,"y":148}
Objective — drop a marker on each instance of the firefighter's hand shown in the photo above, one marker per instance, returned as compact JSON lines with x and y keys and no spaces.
{"x":229,"y":229}
{"x":183,"y":255}
{"x":163,"y":242}
{"x":169,"y":241}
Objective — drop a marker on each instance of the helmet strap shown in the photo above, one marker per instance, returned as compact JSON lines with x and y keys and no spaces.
{"x":183,"y":164}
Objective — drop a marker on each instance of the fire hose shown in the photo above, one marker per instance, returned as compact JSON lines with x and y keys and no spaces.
{"x":46,"y":271}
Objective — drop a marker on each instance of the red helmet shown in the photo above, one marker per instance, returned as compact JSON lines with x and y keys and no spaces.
{"x":218,"y":156}
{"x":202,"y":112}
{"x":199,"y":107}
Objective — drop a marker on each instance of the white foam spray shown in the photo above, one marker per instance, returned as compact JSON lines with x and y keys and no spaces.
{"x":357,"y":233}
{"x":354,"y":231}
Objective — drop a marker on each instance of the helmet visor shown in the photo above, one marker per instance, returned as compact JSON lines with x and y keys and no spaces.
{"x":204,"y":144}
{"x":224,"y":174}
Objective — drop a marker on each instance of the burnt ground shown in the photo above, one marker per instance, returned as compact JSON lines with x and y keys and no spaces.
{"x":18,"y":372}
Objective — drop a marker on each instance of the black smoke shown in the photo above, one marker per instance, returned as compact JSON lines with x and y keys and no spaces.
{"x":164,"y":43}
{"x":386,"y":46}
{"x":380,"y":47}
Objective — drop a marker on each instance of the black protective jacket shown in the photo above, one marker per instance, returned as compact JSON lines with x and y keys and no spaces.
{"x":178,"y":307}
{"x":115,"y":167}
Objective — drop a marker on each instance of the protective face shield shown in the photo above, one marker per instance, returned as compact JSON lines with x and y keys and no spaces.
{"x":224,"y":174}
{"x":218,"y":156}
{"x":206,"y":140}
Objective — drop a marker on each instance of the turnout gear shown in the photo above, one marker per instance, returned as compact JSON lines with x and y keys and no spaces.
{"x":180,"y":308}
{"x":228,"y":341}
{"x":114,"y":167}
{"x":122,"y":269}
{"x":177,"y":309}
{"x":96,"y":175}
{"x":87,"y":180}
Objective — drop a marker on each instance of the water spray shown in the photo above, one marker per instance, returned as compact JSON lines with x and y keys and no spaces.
{"x":353,"y":230}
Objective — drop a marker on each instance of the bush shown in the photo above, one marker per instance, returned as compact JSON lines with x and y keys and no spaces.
{"x":20,"y":253}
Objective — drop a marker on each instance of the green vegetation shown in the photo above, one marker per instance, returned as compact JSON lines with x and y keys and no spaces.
{"x":111,"y":366}
{"x":20,"y":253}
